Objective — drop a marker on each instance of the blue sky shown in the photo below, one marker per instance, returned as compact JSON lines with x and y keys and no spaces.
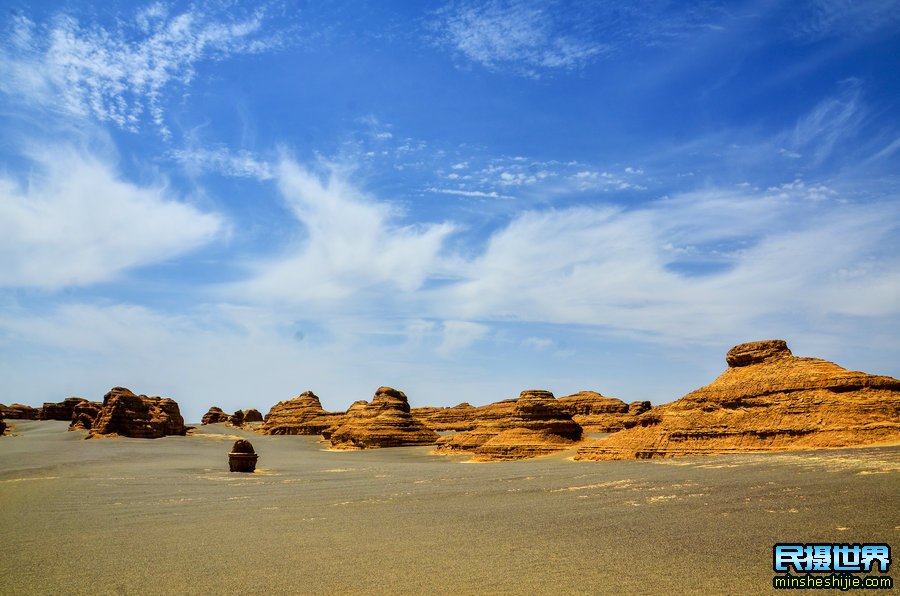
{"x":232,"y":203}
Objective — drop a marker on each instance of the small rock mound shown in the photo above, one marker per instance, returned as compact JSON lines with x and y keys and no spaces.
{"x":767,"y":400}
{"x":242,"y":457}
{"x":126,"y":414}
{"x":536,"y":425}
{"x":302,"y":415}
{"x":384,"y":422}
{"x":215,"y":415}
{"x":251,"y":415}
{"x":2,"y":427}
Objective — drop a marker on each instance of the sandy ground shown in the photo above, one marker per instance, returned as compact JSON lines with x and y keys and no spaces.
{"x":132,"y":516}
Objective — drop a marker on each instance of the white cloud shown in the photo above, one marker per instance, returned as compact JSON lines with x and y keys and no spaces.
{"x":522,"y":35}
{"x":77,"y":222}
{"x":750,"y":258}
{"x":241,"y":164}
{"x":120,"y":75}
{"x":469,"y":193}
{"x":351,"y":244}
{"x":458,"y":335}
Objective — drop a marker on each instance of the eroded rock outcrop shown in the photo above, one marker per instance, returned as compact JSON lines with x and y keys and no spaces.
{"x":19,"y":412}
{"x":534,"y":424}
{"x":62,"y":410}
{"x":384,"y":422}
{"x":215,"y":415}
{"x":767,"y":400}
{"x":250,"y":415}
{"x":84,"y":414}
{"x":2,"y":427}
{"x":302,"y":415}
{"x":460,"y":417}
{"x":126,"y":414}
{"x":596,"y":413}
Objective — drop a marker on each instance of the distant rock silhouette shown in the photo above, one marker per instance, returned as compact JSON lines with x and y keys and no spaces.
{"x":19,"y":412}
{"x":126,"y":414}
{"x":460,"y":417}
{"x":767,"y":400}
{"x":302,"y":415}
{"x":215,"y":415}
{"x":534,"y":424}
{"x":599,"y":414}
{"x":62,"y":410}
{"x":251,"y":415}
{"x":384,"y":422}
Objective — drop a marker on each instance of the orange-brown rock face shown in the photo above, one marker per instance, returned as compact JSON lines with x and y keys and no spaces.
{"x":302,"y":415}
{"x":384,"y":422}
{"x":19,"y":412}
{"x":460,"y":417}
{"x":129,"y":415}
{"x":84,"y":414}
{"x":535,"y":424}
{"x":767,"y":400}
{"x":598,"y":414}
{"x":62,"y":410}
{"x":215,"y":415}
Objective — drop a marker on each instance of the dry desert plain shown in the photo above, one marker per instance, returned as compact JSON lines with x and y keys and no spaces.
{"x":164,"y":516}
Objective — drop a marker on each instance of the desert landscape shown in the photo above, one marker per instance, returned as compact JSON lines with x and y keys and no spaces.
{"x":384,"y":498}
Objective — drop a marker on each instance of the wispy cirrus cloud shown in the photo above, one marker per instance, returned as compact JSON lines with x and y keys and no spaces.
{"x":121,"y":75}
{"x":529,"y":38}
{"x":76,"y":222}
{"x":816,"y":20}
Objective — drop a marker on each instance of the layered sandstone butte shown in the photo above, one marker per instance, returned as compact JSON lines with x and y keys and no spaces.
{"x":596,"y":413}
{"x":384,"y":422}
{"x":534,"y":424}
{"x":129,"y":415}
{"x":460,"y":417}
{"x":62,"y":410}
{"x":302,"y":415}
{"x":215,"y":415}
{"x":19,"y":412}
{"x":84,"y":414}
{"x":767,"y":400}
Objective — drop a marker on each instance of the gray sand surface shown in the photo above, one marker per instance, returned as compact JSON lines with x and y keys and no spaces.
{"x":132,"y":516}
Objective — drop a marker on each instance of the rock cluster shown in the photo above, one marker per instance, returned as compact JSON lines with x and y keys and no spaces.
{"x":19,"y":412}
{"x":534,"y":424}
{"x":302,"y":415}
{"x":596,"y":413}
{"x":767,"y":400}
{"x":84,"y":414}
{"x":216,"y":415}
{"x":129,"y":415}
{"x":384,"y":422}
{"x":62,"y":410}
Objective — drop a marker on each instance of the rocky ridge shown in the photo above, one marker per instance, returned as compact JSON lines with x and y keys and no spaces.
{"x":532,"y":425}
{"x":302,"y":415}
{"x":384,"y":422}
{"x":767,"y":400}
